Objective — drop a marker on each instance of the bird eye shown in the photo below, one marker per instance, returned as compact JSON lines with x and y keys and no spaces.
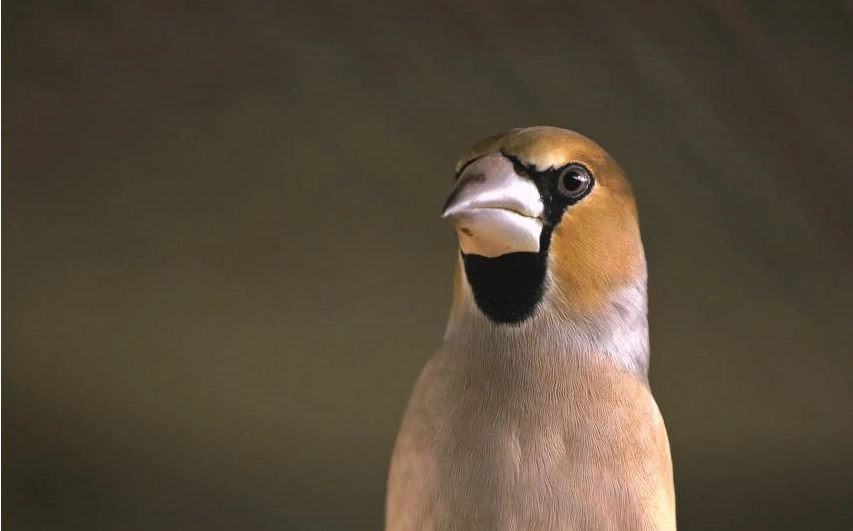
{"x":574,"y":181}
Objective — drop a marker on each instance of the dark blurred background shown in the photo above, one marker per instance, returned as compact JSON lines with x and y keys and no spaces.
{"x":224,"y":264}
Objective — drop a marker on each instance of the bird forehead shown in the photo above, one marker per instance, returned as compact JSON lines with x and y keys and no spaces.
{"x":538,"y":147}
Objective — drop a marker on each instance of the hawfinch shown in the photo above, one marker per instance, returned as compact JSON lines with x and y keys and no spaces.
{"x":535,"y":412}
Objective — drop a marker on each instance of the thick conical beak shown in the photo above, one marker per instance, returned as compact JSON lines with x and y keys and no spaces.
{"x":494,"y":210}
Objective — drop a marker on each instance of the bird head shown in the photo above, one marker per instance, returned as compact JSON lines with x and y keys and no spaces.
{"x":546,"y":222}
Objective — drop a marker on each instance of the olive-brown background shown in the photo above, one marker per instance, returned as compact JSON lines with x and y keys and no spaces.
{"x":224,"y":265}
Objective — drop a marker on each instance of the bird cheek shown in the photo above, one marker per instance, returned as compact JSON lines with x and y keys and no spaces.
{"x":595,"y":250}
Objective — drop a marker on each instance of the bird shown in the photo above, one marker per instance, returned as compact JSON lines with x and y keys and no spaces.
{"x":535,"y":412}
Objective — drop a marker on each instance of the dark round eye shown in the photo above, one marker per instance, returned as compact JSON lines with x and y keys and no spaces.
{"x":574,"y":181}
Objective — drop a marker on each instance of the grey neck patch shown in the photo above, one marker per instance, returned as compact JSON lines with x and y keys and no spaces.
{"x":552,"y":332}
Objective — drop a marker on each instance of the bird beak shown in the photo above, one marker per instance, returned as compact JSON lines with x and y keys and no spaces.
{"x":494,"y":210}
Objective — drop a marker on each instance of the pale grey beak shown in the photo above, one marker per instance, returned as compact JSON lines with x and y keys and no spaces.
{"x":494,"y":210}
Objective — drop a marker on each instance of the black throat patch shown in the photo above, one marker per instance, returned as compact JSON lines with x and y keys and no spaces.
{"x":507,"y":288}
